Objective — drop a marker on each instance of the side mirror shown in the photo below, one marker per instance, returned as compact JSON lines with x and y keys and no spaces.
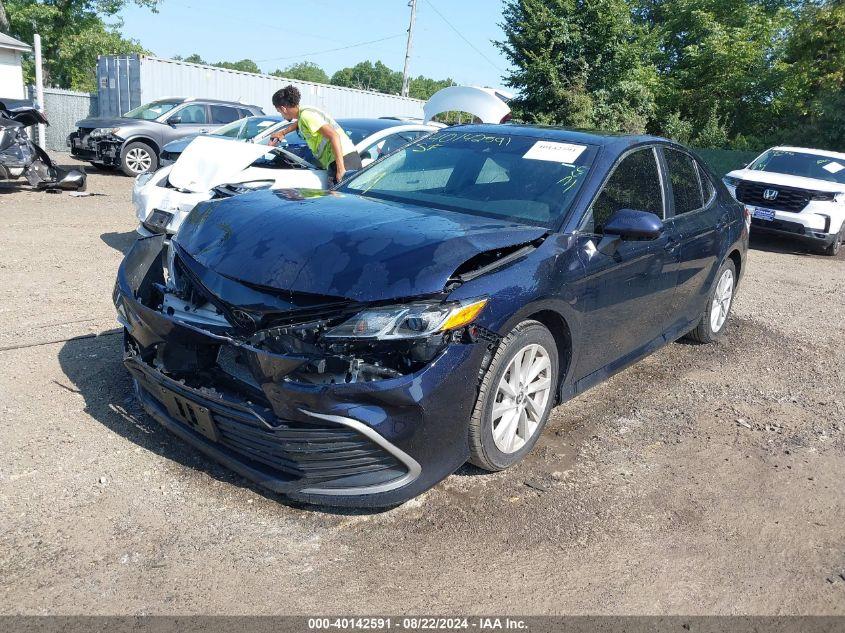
{"x":628,"y":224}
{"x":366,"y":155}
{"x":174,"y":120}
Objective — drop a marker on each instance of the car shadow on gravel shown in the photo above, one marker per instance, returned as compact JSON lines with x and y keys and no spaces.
{"x":95,"y":369}
{"x":121,"y":242}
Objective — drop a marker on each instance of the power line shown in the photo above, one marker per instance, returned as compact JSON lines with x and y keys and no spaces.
{"x":461,"y":35}
{"x":251,"y":23}
{"x":332,"y":50}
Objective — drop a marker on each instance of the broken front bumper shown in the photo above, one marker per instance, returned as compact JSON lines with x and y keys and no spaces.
{"x":365,"y":444}
{"x":105,"y":150}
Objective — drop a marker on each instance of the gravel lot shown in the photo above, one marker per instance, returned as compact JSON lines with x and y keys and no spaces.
{"x":705,"y":479}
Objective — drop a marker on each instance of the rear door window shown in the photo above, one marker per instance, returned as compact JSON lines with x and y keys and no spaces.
{"x":634,"y":184}
{"x":686,"y":186}
{"x":193,"y":114}
{"x":220,"y":115}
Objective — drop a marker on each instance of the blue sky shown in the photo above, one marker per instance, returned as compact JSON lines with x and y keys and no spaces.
{"x":276,"y":34}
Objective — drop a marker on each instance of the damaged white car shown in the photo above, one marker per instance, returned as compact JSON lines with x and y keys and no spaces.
{"x":217,"y":168}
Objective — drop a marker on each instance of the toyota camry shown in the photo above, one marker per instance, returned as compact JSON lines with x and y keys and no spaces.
{"x":356,"y":346}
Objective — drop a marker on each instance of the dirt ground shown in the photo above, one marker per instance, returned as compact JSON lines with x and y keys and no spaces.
{"x":705,"y":479}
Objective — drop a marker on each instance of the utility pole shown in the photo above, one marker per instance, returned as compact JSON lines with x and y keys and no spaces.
{"x":405,"y":78}
{"x":39,"y":88}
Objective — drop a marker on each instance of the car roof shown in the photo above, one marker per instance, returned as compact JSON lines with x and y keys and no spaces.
{"x":371,"y":125}
{"x":206,"y":100}
{"x":807,"y":150}
{"x":563,"y":135}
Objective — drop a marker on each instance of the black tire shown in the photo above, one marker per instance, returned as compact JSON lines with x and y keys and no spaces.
{"x":483,"y":450}
{"x":132,"y":161}
{"x":704,"y":332}
{"x":832,"y":250}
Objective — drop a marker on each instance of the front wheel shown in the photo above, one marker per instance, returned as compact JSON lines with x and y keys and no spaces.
{"x":712,"y":324}
{"x":516,"y":396}
{"x":836,"y":245}
{"x":138,"y":158}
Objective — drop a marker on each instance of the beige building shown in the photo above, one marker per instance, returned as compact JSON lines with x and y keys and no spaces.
{"x":11,"y":74}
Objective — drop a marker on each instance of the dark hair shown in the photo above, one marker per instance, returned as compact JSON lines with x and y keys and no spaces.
{"x":288,"y":97}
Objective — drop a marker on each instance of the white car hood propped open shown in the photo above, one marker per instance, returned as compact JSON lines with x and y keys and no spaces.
{"x":208,"y":162}
{"x":485,"y":103}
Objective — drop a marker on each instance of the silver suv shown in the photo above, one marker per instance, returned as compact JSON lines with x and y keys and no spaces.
{"x":133,"y":141}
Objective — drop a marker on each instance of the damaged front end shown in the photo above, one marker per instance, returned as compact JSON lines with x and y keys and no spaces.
{"x":318,"y":397}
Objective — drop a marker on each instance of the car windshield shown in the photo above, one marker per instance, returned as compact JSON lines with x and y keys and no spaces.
{"x":151,"y":111}
{"x":246,"y":129}
{"x":497,"y":175}
{"x":801,"y":164}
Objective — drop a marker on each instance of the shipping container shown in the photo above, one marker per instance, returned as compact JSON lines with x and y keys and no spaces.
{"x":125,"y":82}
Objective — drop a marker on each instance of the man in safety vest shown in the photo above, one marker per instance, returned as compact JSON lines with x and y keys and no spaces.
{"x":330,"y":145}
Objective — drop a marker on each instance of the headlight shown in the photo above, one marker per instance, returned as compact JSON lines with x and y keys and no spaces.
{"x":413,"y":320}
{"x":730,"y":181}
{"x":143,"y":179}
{"x":243,"y":187}
{"x":98,"y":132}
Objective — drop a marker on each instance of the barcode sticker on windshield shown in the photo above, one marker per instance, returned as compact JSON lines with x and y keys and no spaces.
{"x":833,"y":167}
{"x":554,"y":152}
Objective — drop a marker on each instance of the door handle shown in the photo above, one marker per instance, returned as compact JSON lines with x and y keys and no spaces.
{"x":671,"y":244}
{"x":204,"y":130}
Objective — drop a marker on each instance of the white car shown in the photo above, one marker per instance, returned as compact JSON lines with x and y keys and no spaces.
{"x":217,"y":167}
{"x":211,"y":167}
{"x":795,"y":192}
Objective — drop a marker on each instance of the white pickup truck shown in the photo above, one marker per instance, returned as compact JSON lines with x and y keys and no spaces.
{"x":795,"y":192}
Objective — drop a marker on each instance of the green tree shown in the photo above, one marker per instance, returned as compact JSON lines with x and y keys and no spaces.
{"x":423,"y":87}
{"x":245,"y":65}
{"x":579,"y":63}
{"x":812,"y":106}
{"x":719,"y":64}
{"x":191,"y":59}
{"x":304,"y":71}
{"x":73,"y":33}
{"x":369,"y":76}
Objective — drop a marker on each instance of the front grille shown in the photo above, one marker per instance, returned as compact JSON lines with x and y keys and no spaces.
{"x":789,"y":199}
{"x":318,"y":452}
{"x":313,"y":452}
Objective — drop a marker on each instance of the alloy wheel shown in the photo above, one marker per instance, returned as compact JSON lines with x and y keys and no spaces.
{"x":521,"y":398}
{"x":722,"y":300}
{"x":138,"y":160}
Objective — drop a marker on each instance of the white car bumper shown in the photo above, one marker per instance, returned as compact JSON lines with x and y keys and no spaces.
{"x":160,"y":209}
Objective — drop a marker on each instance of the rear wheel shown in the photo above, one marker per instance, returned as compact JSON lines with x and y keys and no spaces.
{"x":515,"y":398}
{"x":712,"y":324}
{"x":138,"y":158}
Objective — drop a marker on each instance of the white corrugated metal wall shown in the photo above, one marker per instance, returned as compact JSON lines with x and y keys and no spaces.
{"x":168,"y":78}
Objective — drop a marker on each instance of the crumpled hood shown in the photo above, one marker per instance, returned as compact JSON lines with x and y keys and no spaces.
{"x":208,"y":162}
{"x":106,"y":122}
{"x":327,"y":243}
{"x":785,"y":180}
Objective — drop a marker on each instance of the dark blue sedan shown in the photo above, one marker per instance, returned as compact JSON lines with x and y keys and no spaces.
{"x":356,"y":346}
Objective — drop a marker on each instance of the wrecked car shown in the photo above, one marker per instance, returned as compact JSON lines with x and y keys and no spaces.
{"x":210,"y":167}
{"x":133,"y":142}
{"x":19,"y":156}
{"x":354,"y":347}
